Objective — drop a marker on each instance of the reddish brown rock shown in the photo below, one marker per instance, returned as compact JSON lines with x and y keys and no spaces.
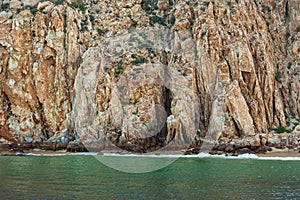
{"x":240,"y":80}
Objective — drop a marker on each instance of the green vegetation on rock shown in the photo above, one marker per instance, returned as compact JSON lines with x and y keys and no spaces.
{"x":266,"y":9}
{"x":58,"y":2}
{"x":78,"y":4}
{"x":281,"y":129}
{"x":133,"y":25}
{"x":101,"y":31}
{"x":137,"y":60}
{"x":33,"y":10}
{"x":149,"y":6}
{"x":277,"y":77}
{"x":229,"y":3}
{"x":155,"y":19}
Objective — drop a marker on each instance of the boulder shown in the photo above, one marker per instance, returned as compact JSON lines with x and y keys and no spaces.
{"x":296,"y":131}
{"x":28,"y":139}
{"x":244,"y":151}
{"x":61,"y":138}
{"x":229,"y":148}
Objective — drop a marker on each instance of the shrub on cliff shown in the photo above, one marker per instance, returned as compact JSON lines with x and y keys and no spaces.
{"x":33,"y":10}
{"x":78,"y":4}
{"x":281,"y":129}
{"x":58,"y":2}
{"x":155,"y":19}
{"x":101,"y":31}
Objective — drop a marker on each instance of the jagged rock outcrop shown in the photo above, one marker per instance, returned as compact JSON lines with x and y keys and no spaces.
{"x":41,"y":56}
{"x":228,"y":69}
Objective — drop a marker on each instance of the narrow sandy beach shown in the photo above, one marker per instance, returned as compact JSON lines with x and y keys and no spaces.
{"x":282,"y":153}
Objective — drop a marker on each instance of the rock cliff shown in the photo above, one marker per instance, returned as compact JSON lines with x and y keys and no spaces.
{"x":144,"y":74}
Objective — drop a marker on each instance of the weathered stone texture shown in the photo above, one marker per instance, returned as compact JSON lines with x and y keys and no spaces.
{"x":232,"y":69}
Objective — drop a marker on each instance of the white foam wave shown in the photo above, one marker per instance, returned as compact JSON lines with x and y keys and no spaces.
{"x":201,"y":155}
{"x":206,"y":155}
{"x":248,"y":156}
{"x":143,"y":155}
{"x":59,"y":154}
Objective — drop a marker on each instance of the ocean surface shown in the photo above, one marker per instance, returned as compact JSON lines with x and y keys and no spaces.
{"x":84,"y":177}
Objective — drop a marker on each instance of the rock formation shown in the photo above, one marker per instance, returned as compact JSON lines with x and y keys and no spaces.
{"x":144,"y":74}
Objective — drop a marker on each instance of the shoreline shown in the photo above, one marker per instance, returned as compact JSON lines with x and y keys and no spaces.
{"x":280,"y":153}
{"x":275,"y":153}
{"x":261,"y":145}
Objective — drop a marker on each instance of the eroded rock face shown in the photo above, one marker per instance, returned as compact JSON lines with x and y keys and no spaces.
{"x":139,"y":93}
{"x":228,"y":69}
{"x":40,"y":60}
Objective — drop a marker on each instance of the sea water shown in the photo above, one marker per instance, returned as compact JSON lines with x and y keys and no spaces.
{"x":198,"y":177}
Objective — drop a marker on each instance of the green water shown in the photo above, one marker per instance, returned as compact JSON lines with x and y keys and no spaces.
{"x":84,"y":177}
